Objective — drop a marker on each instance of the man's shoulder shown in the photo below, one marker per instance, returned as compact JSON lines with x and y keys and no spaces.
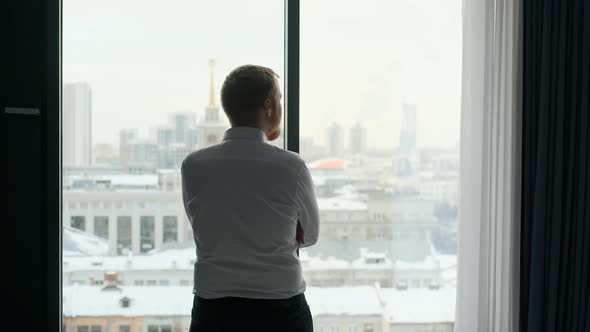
{"x":289,"y":158}
{"x":286,"y":158}
{"x":201,"y":154}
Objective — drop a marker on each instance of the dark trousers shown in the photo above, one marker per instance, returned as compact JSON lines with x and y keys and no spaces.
{"x":259,"y":315}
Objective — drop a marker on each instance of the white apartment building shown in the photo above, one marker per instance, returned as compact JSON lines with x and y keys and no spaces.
{"x":131,"y":220}
{"x":411,"y":216}
{"x":345,"y":219}
{"x":141,"y":212}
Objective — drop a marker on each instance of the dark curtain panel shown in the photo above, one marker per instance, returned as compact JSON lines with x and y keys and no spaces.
{"x":555,"y":265}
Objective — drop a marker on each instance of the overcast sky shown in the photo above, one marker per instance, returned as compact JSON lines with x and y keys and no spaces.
{"x":359,"y":60}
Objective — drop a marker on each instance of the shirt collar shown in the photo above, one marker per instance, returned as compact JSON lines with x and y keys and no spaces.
{"x":244,"y":133}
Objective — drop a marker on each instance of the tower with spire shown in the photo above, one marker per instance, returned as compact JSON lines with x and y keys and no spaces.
{"x":212,"y":127}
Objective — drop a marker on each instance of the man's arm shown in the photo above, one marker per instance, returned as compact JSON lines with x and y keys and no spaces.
{"x":184,"y":189}
{"x":308,"y":227}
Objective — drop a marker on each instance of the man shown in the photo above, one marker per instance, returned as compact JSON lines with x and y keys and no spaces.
{"x":251,"y":206}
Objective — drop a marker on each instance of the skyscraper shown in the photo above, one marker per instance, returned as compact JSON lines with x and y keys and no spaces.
{"x":182,"y":122}
{"x":77,"y":124}
{"x":407,"y":140}
{"x":127,"y":137}
{"x":358,"y":139}
{"x":335,"y":140}
{"x":165,"y":135}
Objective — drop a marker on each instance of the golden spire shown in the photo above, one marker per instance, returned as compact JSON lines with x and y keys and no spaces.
{"x":211,"y":84}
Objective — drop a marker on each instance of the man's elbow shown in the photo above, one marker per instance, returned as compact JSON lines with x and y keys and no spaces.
{"x":309,"y":241}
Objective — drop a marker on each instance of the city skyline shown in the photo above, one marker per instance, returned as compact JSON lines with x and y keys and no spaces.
{"x":165,"y":70}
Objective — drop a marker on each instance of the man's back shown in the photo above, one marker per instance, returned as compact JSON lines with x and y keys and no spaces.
{"x":244,"y":198}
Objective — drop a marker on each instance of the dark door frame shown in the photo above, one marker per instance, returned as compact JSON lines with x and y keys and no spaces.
{"x":52,"y":186}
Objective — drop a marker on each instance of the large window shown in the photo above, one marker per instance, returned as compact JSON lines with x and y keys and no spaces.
{"x":379,"y":103}
{"x":380,"y":88}
{"x":141,"y":90}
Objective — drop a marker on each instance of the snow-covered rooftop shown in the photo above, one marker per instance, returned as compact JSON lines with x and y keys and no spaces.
{"x":80,"y":243}
{"x":419,"y":305}
{"x":94,"y":301}
{"x":396,"y":306}
{"x":174,"y":259}
{"x":359,"y":300}
{"x":114,"y":181}
{"x":340,"y":204}
{"x":183,"y":258}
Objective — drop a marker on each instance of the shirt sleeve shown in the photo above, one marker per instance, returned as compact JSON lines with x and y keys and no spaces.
{"x":185,"y":197}
{"x":307,"y":206}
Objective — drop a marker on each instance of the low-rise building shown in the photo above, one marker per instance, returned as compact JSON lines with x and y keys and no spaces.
{"x":114,"y":308}
{"x":174,"y":267}
{"x":131,"y":220}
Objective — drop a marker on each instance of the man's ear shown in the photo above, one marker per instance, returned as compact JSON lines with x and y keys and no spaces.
{"x":268,"y":107}
{"x":267,"y":104}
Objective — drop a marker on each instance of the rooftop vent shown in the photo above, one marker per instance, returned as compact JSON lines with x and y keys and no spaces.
{"x":97,"y":262}
{"x":125,"y":302}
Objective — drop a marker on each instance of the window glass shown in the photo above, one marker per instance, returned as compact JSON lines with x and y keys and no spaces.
{"x":380,"y":105}
{"x":147,"y":233}
{"x":101,"y":226}
{"x":170,"y":229}
{"x":79,"y":222}
{"x":123,"y":235}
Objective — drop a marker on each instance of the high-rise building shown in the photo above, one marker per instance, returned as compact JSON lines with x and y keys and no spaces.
{"x":358,"y":139}
{"x":165,"y":135}
{"x":192,"y":139}
{"x":126,"y":138}
{"x":77,"y":124}
{"x":143,"y":154}
{"x":103,"y":154}
{"x":211,"y":129}
{"x":172,"y":156}
{"x":408,"y":134}
{"x":128,"y":135}
{"x":182,"y":122}
{"x":335,"y":140}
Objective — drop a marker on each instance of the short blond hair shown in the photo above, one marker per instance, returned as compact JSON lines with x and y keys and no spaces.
{"x":245,"y":89}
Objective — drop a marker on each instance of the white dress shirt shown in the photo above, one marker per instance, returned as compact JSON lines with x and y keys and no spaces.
{"x":244,"y":198}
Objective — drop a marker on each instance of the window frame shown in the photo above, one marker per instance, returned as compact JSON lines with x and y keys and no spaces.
{"x":53,"y":138}
{"x":291,"y":118}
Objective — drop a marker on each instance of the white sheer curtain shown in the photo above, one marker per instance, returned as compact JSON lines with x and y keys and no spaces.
{"x":488,"y":275}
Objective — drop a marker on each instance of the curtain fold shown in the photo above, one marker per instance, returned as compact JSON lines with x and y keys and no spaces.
{"x":555,"y":292}
{"x":488,"y":275}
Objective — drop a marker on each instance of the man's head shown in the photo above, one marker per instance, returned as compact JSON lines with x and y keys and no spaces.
{"x":251,"y":97}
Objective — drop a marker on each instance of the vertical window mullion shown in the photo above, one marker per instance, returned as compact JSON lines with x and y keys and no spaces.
{"x":292,"y":75}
